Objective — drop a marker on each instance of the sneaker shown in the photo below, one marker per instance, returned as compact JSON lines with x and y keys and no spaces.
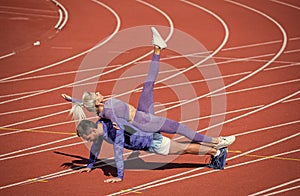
{"x":157,"y":40}
{"x":224,"y":142}
{"x":218,"y":162}
{"x":67,"y":97}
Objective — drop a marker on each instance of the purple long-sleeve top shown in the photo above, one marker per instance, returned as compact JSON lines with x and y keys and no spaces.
{"x":114,"y":109}
{"x":128,"y":136}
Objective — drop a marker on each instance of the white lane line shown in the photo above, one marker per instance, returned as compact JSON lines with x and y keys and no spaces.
{"x":248,"y":113}
{"x":225,"y":40}
{"x":182,"y":101}
{"x":290,"y":100}
{"x":275,"y":187}
{"x":44,"y":126}
{"x":189,"y":120}
{"x":223,"y":43}
{"x":276,"y":56}
{"x":21,"y":93}
{"x":78,"y":55}
{"x":40,"y":151}
{"x":53,"y":175}
{"x":27,"y":14}
{"x":254,"y":72}
{"x":283,"y":190}
{"x":87,"y":79}
{"x":34,"y":119}
{"x":282,"y":66}
{"x":70,"y":171}
{"x":65,"y":13}
{"x":28,"y":9}
{"x":295,"y":38}
{"x":253,"y":45}
{"x":172,"y":57}
{"x":293,"y":51}
{"x":38,"y":146}
{"x":267,"y":128}
{"x":35,"y":108}
{"x":200,"y":62}
{"x":169,"y":36}
{"x":253,"y":58}
{"x":163,"y":181}
{"x":245,"y":115}
{"x":58,"y":74}
{"x":257,"y":87}
{"x":286,"y":4}
{"x":164,"y":14}
{"x":7,"y":55}
{"x":60,"y":14}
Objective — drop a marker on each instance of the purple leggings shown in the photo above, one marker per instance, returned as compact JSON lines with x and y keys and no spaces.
{"x":146,"y":120}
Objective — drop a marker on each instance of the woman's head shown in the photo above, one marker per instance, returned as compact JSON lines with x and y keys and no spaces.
{"x":90,"y":101}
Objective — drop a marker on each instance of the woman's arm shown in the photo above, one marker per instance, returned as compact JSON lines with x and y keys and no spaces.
{"x":70,"y":99}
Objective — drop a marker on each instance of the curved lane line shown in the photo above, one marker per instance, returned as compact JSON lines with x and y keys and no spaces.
{"x":224,"y":49}
{"x":193,"y":170}
{"x":120,"y":67}
{"x":246,"y":77}
{"x":62,"y":25}
{"x":168,"y":37}
{"x":254,"y":72}
{"x":95,"y":76}
{"x":200,"y":62}
{"x":286,"y":4}
{"x":60,"y":19}
{"x":78,"y":55}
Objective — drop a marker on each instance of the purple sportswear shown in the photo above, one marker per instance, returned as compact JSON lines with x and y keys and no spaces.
{"x":115,"y":109}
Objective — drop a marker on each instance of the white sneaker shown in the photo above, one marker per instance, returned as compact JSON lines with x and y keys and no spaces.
{"x":157,"y":40}
{"x":225,"y":141}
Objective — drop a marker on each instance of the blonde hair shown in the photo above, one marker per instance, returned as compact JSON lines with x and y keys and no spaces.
{"x":88,"y":102}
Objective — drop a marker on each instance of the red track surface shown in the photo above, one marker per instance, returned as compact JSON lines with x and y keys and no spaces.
{"x":261,"y":34}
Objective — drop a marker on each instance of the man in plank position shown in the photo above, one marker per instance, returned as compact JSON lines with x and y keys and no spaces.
{"x":132,"y":138}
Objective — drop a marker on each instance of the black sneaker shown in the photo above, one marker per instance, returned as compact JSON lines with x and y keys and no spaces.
{"x":219,"y":161}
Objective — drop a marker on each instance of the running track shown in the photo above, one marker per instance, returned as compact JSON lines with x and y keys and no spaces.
{"x":254,"y":43}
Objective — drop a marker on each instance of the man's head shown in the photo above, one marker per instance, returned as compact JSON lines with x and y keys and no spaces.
{"x":89,"y":130}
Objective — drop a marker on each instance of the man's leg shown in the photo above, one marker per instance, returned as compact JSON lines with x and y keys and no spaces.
{"x":190,"y":148}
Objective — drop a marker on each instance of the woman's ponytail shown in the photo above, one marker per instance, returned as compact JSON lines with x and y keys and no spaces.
{"x":77,"y":112}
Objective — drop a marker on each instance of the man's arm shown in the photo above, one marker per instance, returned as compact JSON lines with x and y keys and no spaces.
{"x":94,"y":153}
{"x":118,"y":150}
